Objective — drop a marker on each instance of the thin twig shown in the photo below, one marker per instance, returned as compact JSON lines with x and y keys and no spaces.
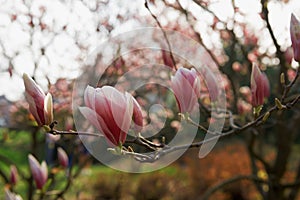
{"x":57,"y":132}
{"x":288,"y":87}
{"x":258,"y":121}
{"x":279,"y":53}
{"x":163,"y":31}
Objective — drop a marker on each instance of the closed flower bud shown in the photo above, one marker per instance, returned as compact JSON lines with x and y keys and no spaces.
{"x":295,"y":36}
{"x":39,"y":171}
{"x":40,"y":105}
{"x":260,"y":88}
{"x":63,"y":158}
{"x":13,"y":175}
{"x":186,"y":87}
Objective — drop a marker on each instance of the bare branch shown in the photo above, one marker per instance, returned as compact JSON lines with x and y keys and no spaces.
{"x":164,"y":33}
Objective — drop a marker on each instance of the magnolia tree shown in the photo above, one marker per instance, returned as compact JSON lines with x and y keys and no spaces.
{"x":205,"y":95}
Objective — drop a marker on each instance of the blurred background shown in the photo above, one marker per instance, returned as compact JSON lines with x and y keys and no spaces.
{"x":51,"y":40}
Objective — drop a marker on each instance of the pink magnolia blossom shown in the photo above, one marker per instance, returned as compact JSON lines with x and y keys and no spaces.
{"x":295,"y":37}
{"x":111,"y":112}
{"x":13,"y":175}
{"x":186,"y":87}
{"x":260,"y":88}
{"x":63,"y":158}
{"x":39,"y":171}
{"x":40,"y":105}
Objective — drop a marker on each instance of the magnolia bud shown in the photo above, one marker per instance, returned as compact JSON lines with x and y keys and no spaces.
{"x":260,"y":87}
{"x":186,"y":87}
{"x":295,"y":37}
{"x":13,"y":175}
{"x":40,"y":105}
{"x":63,"y":158}
{"x":39,"y":171}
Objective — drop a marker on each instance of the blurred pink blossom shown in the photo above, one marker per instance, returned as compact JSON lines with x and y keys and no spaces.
{"x":63,"y":158}
{"x":260,"y":88}
{"x":39,"y":171}
{"x":295,"y":36}
{"x":289,"y":55}
{"x":13,"y":175}
{"x":243,"y":107}
{"x":186,"y":87}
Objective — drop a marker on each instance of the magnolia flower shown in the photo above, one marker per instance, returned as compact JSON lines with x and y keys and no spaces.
{"x":111,"y":112}
{"x":13,"y":175}
{"x":40,"y":105}
{"x":39,"y":171}
{"x":63,"y":158}
{"x":186,"y":87}
{"x":260,"y":88}
{"x":295,"y":37}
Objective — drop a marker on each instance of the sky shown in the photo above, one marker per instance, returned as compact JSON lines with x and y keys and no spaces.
{"x":64,"y":58}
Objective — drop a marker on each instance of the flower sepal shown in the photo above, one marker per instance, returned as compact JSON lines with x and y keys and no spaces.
{"x":257,"y":110}
{"x":46,"y":128}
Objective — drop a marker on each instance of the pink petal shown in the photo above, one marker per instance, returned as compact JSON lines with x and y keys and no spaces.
{"x":137,"y":116}
{"x":62,"y":157}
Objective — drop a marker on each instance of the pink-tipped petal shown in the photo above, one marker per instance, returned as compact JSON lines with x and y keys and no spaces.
{"x":31,"y":87}
{"x":186,"y":87}
{"x":137,"y":116}
{"x":89,"y":97}
{"x":295,"y":36}
{"x":48,"y":109}
{"x":36,"y":100}
{"x":13,"y":175}
{"x":63,"y":158}
{"x":91,"y":116}
{"x":260,"y":88}
{"x":110,"y":111}
{"x":166,"y":56}
{"x":39,"y":172}
{"x":44,"y":172}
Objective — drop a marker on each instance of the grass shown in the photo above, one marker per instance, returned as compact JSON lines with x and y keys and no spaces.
{"x":186,"y":179}
{"x":93,"y":180}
